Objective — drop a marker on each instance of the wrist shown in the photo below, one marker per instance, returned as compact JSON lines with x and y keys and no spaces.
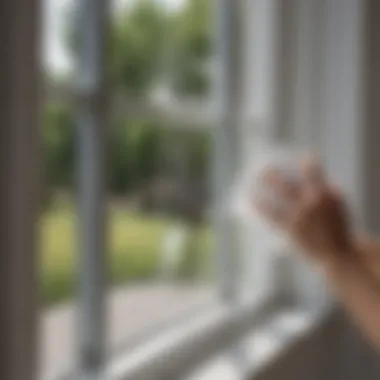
{"x":339,"y":262}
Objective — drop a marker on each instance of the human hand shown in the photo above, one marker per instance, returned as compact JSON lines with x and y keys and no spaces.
{"x":315,"y":216}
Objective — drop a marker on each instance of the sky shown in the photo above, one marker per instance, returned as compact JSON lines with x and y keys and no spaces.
{"x":54,"y":55}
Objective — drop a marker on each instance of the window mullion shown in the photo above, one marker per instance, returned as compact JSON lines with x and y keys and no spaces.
{"x":91,"y":182}
{"x":259,"y":120}
{"x":225,"y":153}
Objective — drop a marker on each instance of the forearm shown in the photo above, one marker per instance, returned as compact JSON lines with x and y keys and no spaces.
{"x":359,"y":293}
{"x":369,"y":254}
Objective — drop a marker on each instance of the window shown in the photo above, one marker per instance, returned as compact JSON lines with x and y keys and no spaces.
{"x":160,"y":242}
{"x":218,"y":300}
{"x":133,"y":237}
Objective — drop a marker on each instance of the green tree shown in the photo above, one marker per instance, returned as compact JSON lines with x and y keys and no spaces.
{"x":191,"y":44}
{"x":146,"y":146}
{"x":136,"y":37}
{"x":148,"y":44}
{"x":120,"y":159}
{"x":58,"y":145}
{"x":134,"y":152}
{"x":136,"y":46}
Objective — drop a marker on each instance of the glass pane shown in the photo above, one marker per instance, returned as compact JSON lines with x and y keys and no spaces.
{"x":160,"y":264}
{"x":160,"y":237}
{"x":58,"y":267}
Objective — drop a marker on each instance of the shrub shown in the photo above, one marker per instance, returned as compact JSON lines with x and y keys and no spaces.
{"x":136,"y":148}
{"x":58,"y":145}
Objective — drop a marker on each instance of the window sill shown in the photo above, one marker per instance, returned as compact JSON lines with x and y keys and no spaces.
{"x":179,"y":351}
{"x":264,"y":345}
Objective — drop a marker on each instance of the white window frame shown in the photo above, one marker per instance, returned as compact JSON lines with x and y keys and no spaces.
{"x":228,"y":87}
{"x":91,"y":122}
{"x":229,"y":96}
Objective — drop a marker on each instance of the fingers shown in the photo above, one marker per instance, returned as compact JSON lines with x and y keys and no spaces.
{"x":312,"y":175}
{"x":273,"y":214}
{"x":288,"y":190}
{"x":312,"y":180}
{"x":293,"y":196}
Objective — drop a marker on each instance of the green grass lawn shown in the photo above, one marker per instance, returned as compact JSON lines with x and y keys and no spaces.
{"x":133,"y":254}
